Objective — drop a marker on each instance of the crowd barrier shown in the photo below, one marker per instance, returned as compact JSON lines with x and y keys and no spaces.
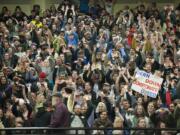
{"x":68,"y":130}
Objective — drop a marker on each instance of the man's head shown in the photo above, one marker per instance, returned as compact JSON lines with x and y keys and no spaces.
{"x":57,"y":98}
{"x":171,"y":107}
{"x":103,"y":115}
{"x":6,"y":56}
{"x":106,"y":86}
{"x":77,"y":109}
{"x":84,"y":109}
{"x":125,"y":104}
{"x":88,"y":87}
{"x":148,"y":68}
{"x":74,"y":74}
{"x":19,"y":122}
{"x":3,"y":80}
{"x":37,"y":18}
{"x":70,"y":20}
{"x":1,"y":113}
{"x":141,"y":122}
{"x":59,"y":61}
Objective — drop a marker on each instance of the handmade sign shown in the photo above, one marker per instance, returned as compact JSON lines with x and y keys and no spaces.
{"x":146,"y":83}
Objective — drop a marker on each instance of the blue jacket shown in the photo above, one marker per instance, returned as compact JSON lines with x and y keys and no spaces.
{"x":73,"y":41}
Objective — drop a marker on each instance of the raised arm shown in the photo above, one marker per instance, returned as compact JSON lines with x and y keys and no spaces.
{"x":143,"y":28}
{"x":161,"y":59}
{"x":74,"y":14}
{"x":175,"y":52}
{"x":65,"y":15}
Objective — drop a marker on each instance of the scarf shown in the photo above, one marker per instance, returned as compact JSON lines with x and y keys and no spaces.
{"x":168,"y":98}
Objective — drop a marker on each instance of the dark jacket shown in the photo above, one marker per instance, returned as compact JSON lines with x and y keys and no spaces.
{"x":178,"y":89}
{"x":98,"y":123}
{"x":60,"y":117}
{"x":140,"y":132}
{"x":177,"y":116}
{"x":42,"y":118}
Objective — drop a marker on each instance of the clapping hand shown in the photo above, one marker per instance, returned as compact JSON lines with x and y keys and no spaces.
{"x":62,"y":8}
{"x":67,"y":8}
{"x":178,"y":105}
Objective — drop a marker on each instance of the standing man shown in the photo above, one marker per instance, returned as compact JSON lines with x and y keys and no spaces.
{"x":60,"y":116}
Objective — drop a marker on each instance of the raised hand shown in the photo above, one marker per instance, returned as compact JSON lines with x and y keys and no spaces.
{"x":62,"y":8}
{"x":67,"y":8}
{"x":72,"y":7}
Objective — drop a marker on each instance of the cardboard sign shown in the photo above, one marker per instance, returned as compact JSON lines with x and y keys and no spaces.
{"x":146,"y":83}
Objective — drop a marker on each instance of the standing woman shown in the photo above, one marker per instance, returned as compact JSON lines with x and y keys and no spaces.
{"x":141,"y":123}
{"x":139,"y":112}
{"x":102,"y":122}
{"x":5,"y":90}
{"x":47,"y":67}
{"x":151,"y":113}
{"x":100,"y":108}
{"x":150,"y":109}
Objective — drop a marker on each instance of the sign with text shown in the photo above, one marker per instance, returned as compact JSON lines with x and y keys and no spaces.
{"x":146,"y":83}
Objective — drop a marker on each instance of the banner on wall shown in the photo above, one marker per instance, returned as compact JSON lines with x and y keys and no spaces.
{"x":146,"y":83}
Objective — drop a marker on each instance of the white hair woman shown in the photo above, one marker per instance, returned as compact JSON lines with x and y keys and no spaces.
{"x":100,"y":108}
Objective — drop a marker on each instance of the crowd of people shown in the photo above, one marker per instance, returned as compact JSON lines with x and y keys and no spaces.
{"x":72,"y":67}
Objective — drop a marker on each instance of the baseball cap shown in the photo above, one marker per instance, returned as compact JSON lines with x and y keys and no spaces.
{"x":42,"y":75}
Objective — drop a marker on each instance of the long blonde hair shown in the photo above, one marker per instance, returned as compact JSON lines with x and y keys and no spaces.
{"x":117,"y":119}
{"x":98,"y":107}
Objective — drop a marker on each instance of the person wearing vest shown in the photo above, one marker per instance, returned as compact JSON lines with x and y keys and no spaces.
{"x":77,"y":120}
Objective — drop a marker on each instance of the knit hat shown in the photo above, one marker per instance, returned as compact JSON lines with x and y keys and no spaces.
{"x":42,"y":75}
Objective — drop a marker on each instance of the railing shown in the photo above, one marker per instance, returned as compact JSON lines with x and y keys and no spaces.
{"x":57,"y":131}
